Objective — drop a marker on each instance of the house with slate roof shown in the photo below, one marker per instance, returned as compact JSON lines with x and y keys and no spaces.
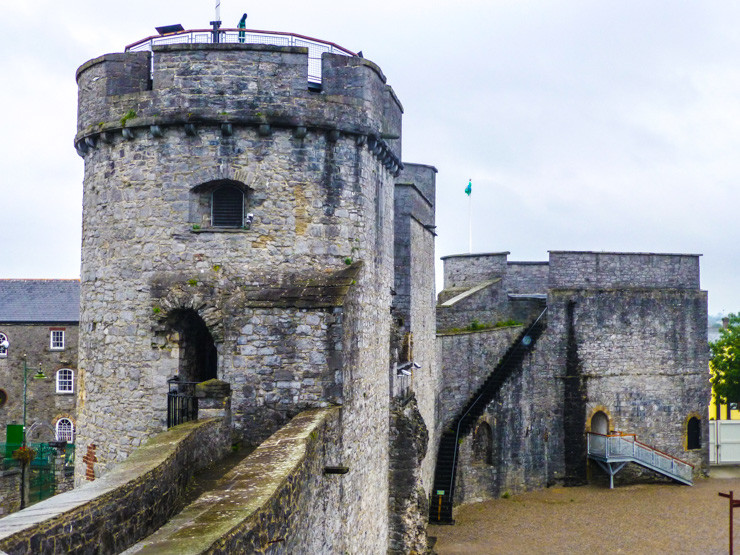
{"x":39,"y":319}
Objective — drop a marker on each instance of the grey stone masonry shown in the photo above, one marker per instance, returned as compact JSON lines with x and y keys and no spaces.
{"x":291,"y":308}
{"x":611,"y":270}
{"x":414,"y":349}
{"x":466,"y":270}
{"x":524,"y":278}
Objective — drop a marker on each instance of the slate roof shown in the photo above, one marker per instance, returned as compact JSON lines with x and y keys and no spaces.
{"x":39,"y":300}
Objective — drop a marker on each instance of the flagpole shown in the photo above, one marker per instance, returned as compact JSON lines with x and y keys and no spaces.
{"x":469,"y":192}
{"x":470,"y":224}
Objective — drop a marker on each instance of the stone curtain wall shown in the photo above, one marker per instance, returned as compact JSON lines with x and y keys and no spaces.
{"x":44,"y":405}
{"x":487,"y":306}
{"x":277,"y":500}
{"x":525,"y":421}
{"x":466,"y":360}
{"x":615,"y":270}
{"x":462,"y":270}
{"x":526,"y":277}
{"x":109,"y":515}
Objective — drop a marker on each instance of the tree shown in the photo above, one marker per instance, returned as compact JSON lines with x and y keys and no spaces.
{"x":725,"y":363}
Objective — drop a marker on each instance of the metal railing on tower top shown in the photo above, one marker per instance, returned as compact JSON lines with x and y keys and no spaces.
{"x":316,"y":47}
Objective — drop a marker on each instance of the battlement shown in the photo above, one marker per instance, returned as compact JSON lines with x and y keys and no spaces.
{"x":592,"y":270}
{"x":462,"y":270}
{"x":230,"y":85}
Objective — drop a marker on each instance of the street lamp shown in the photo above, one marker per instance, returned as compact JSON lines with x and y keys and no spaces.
{"x":37,"y":376}
{"x":5,"y":344}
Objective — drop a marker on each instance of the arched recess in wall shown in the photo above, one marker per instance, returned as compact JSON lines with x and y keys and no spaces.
{"x":483,"y":444}
{"x":198,"y":358}
{"x":221,"y":203}
{"x":600,"y":422}
{"x":693,"y":432}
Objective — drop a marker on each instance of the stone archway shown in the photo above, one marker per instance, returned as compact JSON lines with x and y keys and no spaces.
{"x":198,"y":357}
{"x":600,"y":423}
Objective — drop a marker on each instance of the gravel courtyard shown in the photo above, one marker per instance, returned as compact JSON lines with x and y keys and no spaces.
{"x":644,"y":518}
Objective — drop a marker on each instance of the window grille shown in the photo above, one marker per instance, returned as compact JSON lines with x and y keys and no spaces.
{"x":3,"y":350}
{"x":57,"y":339}
{"x":65,"y":381}
{"x":65,"y":430}
{"x":227,"y":207}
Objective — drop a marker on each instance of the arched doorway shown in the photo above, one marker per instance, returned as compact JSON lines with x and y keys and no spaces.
{"x":483,"y":444}
{"x":198,"y":360}
{"x":600,"y":423}
{"x":693,"y":433}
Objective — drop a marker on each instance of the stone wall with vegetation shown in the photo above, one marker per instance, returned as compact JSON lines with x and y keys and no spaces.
{"x":283,"y":498}
{"x":110,"y":514}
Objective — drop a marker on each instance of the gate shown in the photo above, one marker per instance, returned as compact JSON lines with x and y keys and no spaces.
{"x":724,"y":441}
{"x":42,"y":480}
{"x":182,"y":404}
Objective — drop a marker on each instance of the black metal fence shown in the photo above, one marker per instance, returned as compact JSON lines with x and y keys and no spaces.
{"x":182,"y":404}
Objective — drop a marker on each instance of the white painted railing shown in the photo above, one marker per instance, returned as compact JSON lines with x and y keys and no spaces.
{"x":616,"y":447}
{"x":316,"y":47}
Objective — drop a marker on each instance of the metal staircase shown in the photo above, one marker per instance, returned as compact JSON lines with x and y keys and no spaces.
{"x":612,"y":452}
{"x":440,"y":508}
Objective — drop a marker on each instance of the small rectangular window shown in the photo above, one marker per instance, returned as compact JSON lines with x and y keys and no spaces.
{"x":57,"y":340}
{"x":65,"y":381}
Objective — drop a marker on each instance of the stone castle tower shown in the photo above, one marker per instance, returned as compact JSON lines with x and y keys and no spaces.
{"x":238,"y":224}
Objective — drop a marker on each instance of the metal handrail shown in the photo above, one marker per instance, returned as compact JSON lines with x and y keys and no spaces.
{"x":635,"y":441}
{"x":316,"y":47}
{"x":474,"y":403}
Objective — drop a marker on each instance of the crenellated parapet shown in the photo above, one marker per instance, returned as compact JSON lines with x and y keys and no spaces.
{"x":127,"y":96}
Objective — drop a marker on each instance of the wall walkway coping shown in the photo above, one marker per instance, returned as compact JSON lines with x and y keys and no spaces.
{"x":472,"y":291}
{"x":235,"y":505}
{"x":144,"y":460}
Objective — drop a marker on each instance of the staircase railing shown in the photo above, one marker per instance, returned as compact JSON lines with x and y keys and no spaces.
{"x":526,"y":341}
{"x":478,"y":404}
{"x":615,"y":447}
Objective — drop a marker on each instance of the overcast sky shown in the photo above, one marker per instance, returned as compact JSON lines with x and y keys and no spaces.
{"x":586,"y":125}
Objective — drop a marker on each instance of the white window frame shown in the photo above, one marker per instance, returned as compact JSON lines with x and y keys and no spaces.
{"x":56,"y":345}
{"x":3,"y":351}
{"x":68,"y":431}
{"x":65,"y":381}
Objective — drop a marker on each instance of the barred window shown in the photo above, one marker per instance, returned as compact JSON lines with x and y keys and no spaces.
{"x":57,"y":340}
{"x":65,"y":430}
{"x":3,"y":350}
{"x":227,"y":207}
{"x":65,"y":381}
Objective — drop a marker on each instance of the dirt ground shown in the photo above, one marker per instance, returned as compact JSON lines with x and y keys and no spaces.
{"x":644,"y":518}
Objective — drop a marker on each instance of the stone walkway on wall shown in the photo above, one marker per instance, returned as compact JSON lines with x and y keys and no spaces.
{"x":644,"y":518}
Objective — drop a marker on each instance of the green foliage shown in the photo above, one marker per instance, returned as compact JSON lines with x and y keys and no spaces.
{"x":196,"y":227}
{"x":505,"y":495}
{"x":477,"y":325}
{"x":127,"y":116}
{"x":156,"y":309}
{"x":216,"y":267}
{"x":192,"y":282}
{"x":725,"y":363}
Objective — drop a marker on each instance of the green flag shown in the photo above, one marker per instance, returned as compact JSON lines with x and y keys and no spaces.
{"x":469,"y":188}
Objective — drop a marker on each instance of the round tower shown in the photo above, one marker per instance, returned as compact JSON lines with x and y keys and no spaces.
{"x":237,"y":224}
